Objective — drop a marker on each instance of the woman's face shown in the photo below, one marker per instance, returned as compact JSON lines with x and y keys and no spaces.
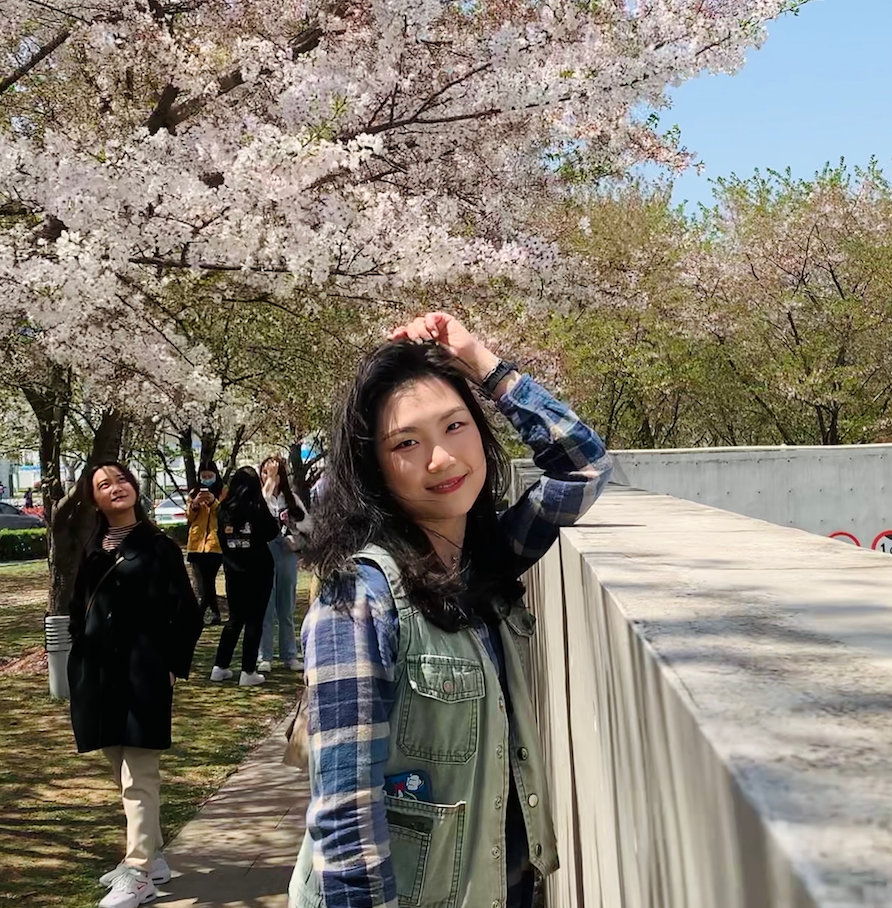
{"x":207,"y":477}
{"x":112,"y":491}
{"x":269,"y":472}
{"x":430,"y":451}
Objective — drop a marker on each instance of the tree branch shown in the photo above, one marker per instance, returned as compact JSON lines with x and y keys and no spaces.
{"x":161,"y":115}
{"x":36,"y":58}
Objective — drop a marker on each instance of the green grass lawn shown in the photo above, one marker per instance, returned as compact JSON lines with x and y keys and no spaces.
{"x":61,"y":820}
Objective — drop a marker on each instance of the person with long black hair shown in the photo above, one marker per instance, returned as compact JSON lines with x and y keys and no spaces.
{"x":134,"y":626}
{"x":203,"y":546}
{"x":294,"y":529}
{"x":427,"y":780}
{"x":244,"y":526}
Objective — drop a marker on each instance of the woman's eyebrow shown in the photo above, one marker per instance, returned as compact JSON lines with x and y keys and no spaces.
{"x":402,"y":430}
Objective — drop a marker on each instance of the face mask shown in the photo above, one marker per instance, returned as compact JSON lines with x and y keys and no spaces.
{"x":207,"y":483}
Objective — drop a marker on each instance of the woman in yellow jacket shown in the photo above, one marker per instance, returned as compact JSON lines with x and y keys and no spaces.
{"x":203,"y":549}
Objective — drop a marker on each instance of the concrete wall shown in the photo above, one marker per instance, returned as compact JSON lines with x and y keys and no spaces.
{"x":714,"y":694}
{"x":845,"y":490}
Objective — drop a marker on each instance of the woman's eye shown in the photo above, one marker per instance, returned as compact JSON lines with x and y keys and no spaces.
{"x":453,"y":426}
{"x":405,"y":444}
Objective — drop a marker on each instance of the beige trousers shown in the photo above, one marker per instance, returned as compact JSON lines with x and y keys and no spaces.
{"x":138,"y":774}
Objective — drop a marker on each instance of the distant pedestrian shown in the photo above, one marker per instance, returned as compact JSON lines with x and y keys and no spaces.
{"x":244,"y":527}
{"x":294,"y":525}
{"x":203,"y":548}
{"x":29,"y":498}
{"x":2,"y":491}
{"x":134,"y":626}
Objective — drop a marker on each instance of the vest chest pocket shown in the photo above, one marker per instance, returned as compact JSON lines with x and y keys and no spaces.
{"x":425,"y":847}
{"x":440,"y":712}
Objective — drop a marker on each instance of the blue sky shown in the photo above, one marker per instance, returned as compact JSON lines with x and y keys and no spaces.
{"x":820,"y":88}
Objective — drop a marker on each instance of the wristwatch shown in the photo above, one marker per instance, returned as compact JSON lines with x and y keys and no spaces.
{"x":491,"y":382}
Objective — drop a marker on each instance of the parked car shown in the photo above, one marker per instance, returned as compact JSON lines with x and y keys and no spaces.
{"x":13,"y":518}
{"x":171,"y":510}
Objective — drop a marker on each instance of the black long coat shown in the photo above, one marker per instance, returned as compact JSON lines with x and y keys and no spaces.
{"x":143,"y":624}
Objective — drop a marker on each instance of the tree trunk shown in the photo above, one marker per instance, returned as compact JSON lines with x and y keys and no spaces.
{"x":75,"y":519}
{"x":188,"y":456}
{"x":209,"y":442}
{"x":299,"y":472}
{"x":304,"y":473}
{"x":50,"y":400}
{"x":237,"y":443}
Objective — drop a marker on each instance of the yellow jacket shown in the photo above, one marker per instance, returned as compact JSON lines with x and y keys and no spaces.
{"x":203,"y":528}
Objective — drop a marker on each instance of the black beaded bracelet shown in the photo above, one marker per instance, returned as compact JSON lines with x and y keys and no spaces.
{"x":491,"y":382}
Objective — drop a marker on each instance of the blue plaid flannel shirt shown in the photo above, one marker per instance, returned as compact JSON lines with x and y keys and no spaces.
{"x":351,"y":655}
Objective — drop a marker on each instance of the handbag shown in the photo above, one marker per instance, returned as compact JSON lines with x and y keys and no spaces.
{"x":297,"y":751}
{"x":118,"y":560}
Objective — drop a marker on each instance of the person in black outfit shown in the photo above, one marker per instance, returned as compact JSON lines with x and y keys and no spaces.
{"x":245,"y":526}
{"x":134,"y":625}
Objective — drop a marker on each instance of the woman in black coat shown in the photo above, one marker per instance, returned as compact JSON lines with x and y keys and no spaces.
{"x":134,"y":625}
{"x":245,"y":528}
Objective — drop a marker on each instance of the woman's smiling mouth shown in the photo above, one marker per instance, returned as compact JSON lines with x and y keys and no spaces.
{"x":448,"y":485}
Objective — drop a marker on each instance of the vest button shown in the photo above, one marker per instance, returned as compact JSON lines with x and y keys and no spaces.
{"x":499,"y":751}
{"x":496,"y":904}
{"x":533,"y":800}
{"x":538,"y":850}
{"x":448,"y":686}
{"x":522,"y":753}
{"x":498,"y":803}
{"x":497,"y":852}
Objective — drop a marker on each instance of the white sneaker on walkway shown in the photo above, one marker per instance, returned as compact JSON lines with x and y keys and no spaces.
{"x":296,"y":664}
{"x":264,"y":666}
{"x":130,"y":889}
{"x":249,"y":679}
{"x":159,"y":872}
{"x":220,"y":674}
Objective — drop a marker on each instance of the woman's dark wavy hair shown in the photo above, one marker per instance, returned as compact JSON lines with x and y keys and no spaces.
{"x":209,"y":466}
{"x":244,"y":503}
{"x":357,"y":509}
{"x":86,"y":480}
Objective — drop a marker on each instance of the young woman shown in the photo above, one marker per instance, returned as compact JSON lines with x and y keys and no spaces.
{"x":291,"y":517}
{"x":428,"y":785}
{"x":203,"y":548}
{"x":134,"y":626}
{"x":245,"y":527}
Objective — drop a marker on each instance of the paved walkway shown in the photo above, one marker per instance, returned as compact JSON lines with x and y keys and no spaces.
{"x":241,"y":847}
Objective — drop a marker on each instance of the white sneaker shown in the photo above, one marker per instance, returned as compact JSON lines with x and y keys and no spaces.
{"x":159,"y":872}
{"x":130,"y":889}
{"x":249,"y":679}
{"x":220,"y":674}
{"x":264,"y":666}
{"x":296,"y":664}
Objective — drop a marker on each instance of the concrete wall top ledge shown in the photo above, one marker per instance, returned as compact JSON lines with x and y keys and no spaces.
{"x":780,"y":644}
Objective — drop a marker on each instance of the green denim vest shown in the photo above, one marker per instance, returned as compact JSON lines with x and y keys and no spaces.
{"x":449,"y":719}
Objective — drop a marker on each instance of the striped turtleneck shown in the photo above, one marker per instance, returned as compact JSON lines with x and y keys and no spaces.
{"x":115,"y":536}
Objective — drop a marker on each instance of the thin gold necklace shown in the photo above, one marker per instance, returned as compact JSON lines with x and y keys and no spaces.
{"x":457,"y":556}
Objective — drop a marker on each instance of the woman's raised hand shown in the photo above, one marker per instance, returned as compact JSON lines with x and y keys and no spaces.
{"x":453,"y":337}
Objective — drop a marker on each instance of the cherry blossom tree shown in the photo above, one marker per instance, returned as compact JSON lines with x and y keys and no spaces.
{"x":313,"y":152}
{"x":373,"y":144}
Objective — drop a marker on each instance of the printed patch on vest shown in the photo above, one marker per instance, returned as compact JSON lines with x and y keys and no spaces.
{"x":414,"y":786}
